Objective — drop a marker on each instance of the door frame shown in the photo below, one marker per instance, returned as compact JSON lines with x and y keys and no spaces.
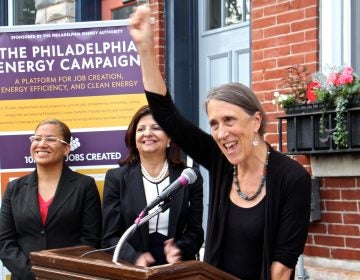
{"x":181,"y":44}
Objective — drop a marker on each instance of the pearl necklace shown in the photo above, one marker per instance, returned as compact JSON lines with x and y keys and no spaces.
{"x":262,"y":182}
{"x":162,"y":175}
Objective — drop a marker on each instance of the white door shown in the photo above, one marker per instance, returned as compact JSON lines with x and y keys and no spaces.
{"x":224,"y":46}
{"x":224,"y":52}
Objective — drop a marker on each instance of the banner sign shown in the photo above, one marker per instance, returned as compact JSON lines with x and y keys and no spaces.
{"x":86,"y":75}
{"x":68,"y":63}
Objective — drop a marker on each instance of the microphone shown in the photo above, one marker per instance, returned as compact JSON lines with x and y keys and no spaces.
{"x":188,"y":176}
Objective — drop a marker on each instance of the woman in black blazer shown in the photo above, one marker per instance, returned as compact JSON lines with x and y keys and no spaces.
{"x":52,"y":207}
{"x":153,"y":163}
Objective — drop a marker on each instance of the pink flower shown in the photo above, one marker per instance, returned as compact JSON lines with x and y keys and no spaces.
{"x":345,"y":79}
{"x":333,"y":79}
{"x":310,"y":91}
{"x":348,"y":71}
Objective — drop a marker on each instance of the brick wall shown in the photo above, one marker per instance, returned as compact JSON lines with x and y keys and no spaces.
{"x":157,"y":9}
{"x":337,"y":235}
{"x":286,"y":33}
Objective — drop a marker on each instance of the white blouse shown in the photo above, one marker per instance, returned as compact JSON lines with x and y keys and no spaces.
{"x":160,"y":222}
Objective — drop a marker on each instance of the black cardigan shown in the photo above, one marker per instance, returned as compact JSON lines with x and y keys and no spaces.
{"x":288,"y":190}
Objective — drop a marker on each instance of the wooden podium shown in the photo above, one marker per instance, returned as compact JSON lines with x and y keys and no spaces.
{"x":67,"y":263}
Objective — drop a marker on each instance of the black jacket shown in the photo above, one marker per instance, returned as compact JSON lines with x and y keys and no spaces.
{"x":124,"y":199}
{"x":74,"y":218}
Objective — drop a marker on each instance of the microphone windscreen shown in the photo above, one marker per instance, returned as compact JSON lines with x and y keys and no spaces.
{"x":190,"y":174}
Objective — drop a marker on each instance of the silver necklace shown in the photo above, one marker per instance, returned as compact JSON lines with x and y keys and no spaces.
{"x":262,"y":181}
{"x":162,"y":175}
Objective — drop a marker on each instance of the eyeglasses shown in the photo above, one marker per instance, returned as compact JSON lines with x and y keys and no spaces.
{"x":48,"y":139}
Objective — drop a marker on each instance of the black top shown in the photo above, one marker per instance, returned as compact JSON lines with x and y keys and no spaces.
{"x":156,"y":248}
{"x":288,"y":191}
{"x":242,"y":258}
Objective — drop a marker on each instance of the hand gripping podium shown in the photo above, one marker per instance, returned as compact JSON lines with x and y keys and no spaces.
{"x":67,"y":263}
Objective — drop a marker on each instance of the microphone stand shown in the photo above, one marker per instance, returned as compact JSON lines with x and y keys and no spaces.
{"x":161,"y":208}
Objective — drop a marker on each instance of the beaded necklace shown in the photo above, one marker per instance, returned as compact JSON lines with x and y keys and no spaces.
{"x":262,"y":182}
{"x":163,"y":173}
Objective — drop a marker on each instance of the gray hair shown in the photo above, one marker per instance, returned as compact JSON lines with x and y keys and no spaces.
{"x":240,"y":95}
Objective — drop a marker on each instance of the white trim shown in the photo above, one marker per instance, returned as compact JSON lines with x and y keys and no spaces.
{"x":10,"y":12}
{"x":81,"y":167}
{"x":335,"y":33}
{"x":94,"y":129}
{"x":330,"y":33}
{"x":347,"y":32}
{"x":57,"y":26}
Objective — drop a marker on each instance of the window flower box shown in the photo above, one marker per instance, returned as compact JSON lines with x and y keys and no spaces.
{"x":302,"y":127}
{"x":321,"y":115}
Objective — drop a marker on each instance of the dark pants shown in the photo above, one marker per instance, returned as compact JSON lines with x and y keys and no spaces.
{"x":157,"y":247}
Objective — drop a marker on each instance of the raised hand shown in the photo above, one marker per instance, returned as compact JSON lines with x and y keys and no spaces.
{"x":140,"y":28}
{"x":141,"y":31}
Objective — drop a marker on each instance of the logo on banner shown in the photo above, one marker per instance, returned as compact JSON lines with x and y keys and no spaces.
{"x":74,"y":143}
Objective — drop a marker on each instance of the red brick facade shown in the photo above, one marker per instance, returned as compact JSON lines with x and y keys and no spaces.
{"x":157,"y":9}
{"x":285,"y":33}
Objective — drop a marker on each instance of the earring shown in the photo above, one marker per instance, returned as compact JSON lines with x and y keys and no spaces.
{"x":168,"y":146}
{"x":255,"y":141}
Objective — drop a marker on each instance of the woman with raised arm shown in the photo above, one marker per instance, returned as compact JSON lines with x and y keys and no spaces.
{"x":52,"y":207}
{"x":259,"y":206}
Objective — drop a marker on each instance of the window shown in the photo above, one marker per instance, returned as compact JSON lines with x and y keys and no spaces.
{"x":355,"y":38}
{"x":123,"y":12}
{"x":24,"y":12}
{"x":21,"y":12}
{"x":340,"y":27}
{"x":226,"y":12}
